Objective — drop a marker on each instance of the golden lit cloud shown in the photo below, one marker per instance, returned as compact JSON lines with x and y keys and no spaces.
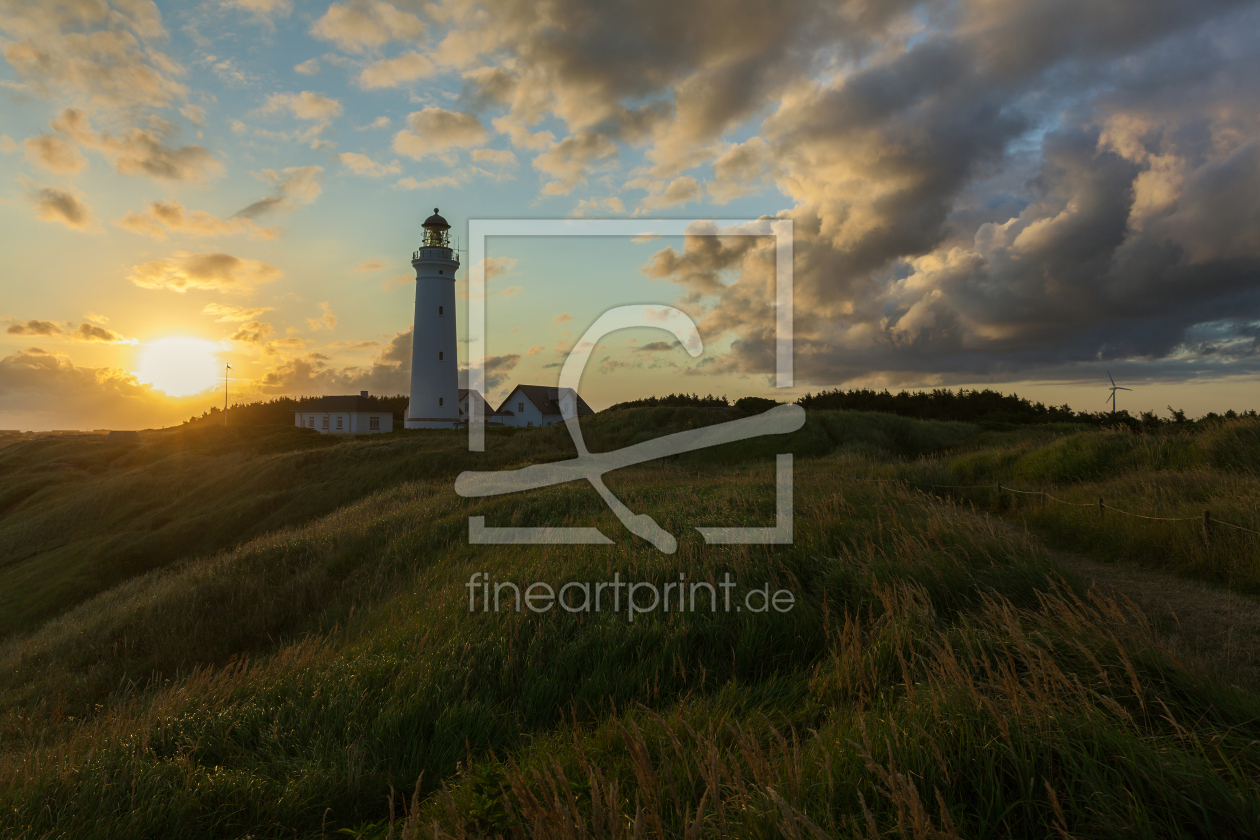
{"x":251,"y":332}
{"x":54,"y":154}
{"x":227,"y":312}
{"x":327,"y":321}
{"x":163,"y":217}
{"x":364,"y":165}
{"x":362,"y":25}
{"x":305,"y":106}
{"x":265,"y":9}
{"x":92,"y":332}
{"x":34,"y":327}
{"x":295,"y":186}
{"x":392,"y":72}
{"x":54,"y":204}
{"x":139,"y":151}
{"x":217,"y":272}
{"x":435,"y":130}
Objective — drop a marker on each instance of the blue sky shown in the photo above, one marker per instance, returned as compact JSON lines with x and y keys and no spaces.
{"x":998,"y":194}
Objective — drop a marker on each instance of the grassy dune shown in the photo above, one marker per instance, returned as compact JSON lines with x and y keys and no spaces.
{"x":939,"y":675}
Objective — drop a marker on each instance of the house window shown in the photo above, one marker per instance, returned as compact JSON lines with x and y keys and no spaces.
{"x":325,"y":422}
{"x":310,"y":422}
{"x":439,"y":310}
{"x":374,"y":424}
{"x":338,"y":422}
{"x":520,"y":406}
{"x":439,"y":355}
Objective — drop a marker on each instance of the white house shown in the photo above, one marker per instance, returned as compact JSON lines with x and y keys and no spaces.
{"x":350,"y":415}
{"x":488,"y":415}
{"x":538,"y":405}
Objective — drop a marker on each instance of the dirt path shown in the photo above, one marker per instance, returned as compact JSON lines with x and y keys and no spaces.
{"x":1198,"y":622}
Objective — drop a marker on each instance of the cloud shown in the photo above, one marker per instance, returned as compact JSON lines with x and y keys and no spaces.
{"x":264,"y":9}
{"x":370,"y":265}
{"x":568,"y":161}
{"x":392,"y":72}
{"x":252,"y":332}
{"x":214,"y":272}
{"x":436,"y":182}
{"x":310,"y":67}
{"x":494,"y":157}
{"x":521,"y":136}
{"x":139,"y":151}
{"x":365,"y":166}
{"x":7,"y":144}
{"x":327,"y":321}
{"x":379,"y":122}
{"x":34,"y":327}
{"x":363,"y":25}
{"x":87,"y":52}
{"x":741,"y":169}
{"x":295,"y":186}
{"x":311,"y":373}
{"x":436,"y":130}
{"x":497,"y":369}
{"x":679,"y":191}
{"x":48,"y":385}
{"x":163,"y":217}
{"x":92,"y":332}
{"x":307,"y":105}
{"x":607,"y":204}
{"x":1000,"y":199}
{"x":54,"y":204}
{"x":54,"y":154}
{"x":194,"y":114}
{"x":228,"y":312}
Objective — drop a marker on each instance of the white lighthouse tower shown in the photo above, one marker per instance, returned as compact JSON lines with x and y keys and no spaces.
{"x":434,"y":361}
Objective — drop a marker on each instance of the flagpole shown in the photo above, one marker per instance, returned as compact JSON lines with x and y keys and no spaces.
{"x":226,"y":368}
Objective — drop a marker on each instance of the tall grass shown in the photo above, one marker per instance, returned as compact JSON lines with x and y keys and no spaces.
{"x":1168,"y":476}
{"x":939,"y":675}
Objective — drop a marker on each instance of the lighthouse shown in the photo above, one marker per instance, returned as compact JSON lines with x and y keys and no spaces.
{"x":434,"y":362}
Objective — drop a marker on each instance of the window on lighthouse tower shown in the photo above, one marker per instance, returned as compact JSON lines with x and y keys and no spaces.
{"x":439,"y":355}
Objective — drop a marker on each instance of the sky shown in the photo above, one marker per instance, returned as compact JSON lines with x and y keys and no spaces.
{"x":1024,"y":196}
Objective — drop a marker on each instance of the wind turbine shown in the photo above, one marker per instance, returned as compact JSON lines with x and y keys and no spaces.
{"x":1114,"y":388}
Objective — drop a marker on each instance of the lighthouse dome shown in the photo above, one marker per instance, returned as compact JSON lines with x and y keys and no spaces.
{"x":436,"y":222}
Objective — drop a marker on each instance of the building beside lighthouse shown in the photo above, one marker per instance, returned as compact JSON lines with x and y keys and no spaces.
{"x":434,"y":358}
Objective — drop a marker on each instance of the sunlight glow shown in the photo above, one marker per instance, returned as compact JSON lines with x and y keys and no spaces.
{"x":180,"y":366}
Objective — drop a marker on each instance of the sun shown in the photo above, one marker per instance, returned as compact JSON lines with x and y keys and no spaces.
{"x":180,"y":366}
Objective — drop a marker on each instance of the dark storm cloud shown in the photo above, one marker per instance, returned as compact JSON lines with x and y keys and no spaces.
{"x":1029,"y":189}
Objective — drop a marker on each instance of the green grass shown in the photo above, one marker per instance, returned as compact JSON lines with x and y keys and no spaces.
{"x":939,"y":676}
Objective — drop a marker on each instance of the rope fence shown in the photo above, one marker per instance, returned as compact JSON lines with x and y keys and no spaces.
{"x":1207,"y":519}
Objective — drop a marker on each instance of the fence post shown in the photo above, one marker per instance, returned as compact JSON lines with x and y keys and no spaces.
{"x":1100,"y":506}
{"x":1001,"y":498}
{"x":1043,"y":499}
{"x":1207,"y":527}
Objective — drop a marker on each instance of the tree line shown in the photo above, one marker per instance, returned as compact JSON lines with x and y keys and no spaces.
{"x":986,"y":407}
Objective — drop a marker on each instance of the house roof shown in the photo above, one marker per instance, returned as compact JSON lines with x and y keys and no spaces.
{"x":545,"y":399}
{"x":486,"y":410}
{"x":352,"y":402}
